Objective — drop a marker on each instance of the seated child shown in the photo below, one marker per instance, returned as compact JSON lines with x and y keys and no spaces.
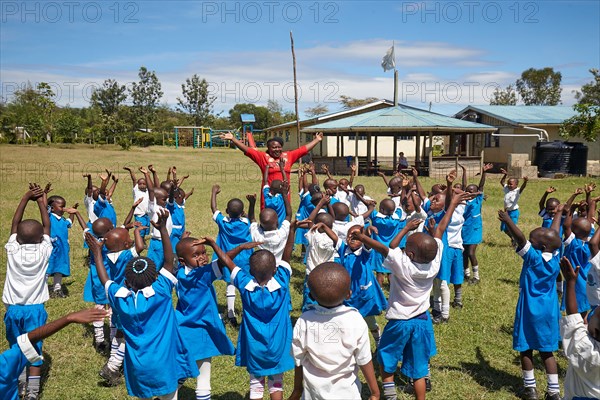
{"x":581,"y":344}
{"x":25,"y":289}
{"x":537,"y":313}
{"x":512,"y":193}
{"x":156,"y":358}
{"x":408,"y":336}
{"x":265,"y":338}
{"x":24,"y":352}
{"x":328,"y":369}
{"x":234,"y":230}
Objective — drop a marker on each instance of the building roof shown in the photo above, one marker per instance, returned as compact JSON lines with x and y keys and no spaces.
{"x":399,"y":119}
{"x":324,"y":117}
{"x":247,"y":118}
{"x":516,"y":115}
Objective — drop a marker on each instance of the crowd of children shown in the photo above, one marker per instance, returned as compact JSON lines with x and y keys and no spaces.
{"x":412,"y":245}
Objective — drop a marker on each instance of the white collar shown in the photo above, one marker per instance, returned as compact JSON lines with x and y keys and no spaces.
{"x":228,"y":219}
{"x":114,"y":256}
{"x":123,"y":292}
{"x":356,"y":252}
{"x":57,"y":216}
{"x":393,"y":216}
{"x":329,"y":311}
{"x":272,"y":285}
{"x":547,"y":256}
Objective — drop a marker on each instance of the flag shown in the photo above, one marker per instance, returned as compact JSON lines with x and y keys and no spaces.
{"x":389,"y":60}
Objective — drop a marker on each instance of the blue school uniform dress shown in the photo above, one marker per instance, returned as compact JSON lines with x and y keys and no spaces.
{"x":579,"y":254}
{"x":60,"y":261}
{"x":232,"y":233}
{"x":104,"y":209}
{"x":197,"y":312}
{"x":178,"y":216}
{"x":472,"y":230}
{"x":274,"y":201}
{"x":304,"y":210}
{"x":537,"y":313}
{"x":367,"y":296}
{"x":265,"y":341}
{"x":12,"y":362}
{"x":93,"y":290}
{"x":388,"y":227}
{"x":547,"y":223}
{"x":156,"y":357}
{"x":445,"y":267}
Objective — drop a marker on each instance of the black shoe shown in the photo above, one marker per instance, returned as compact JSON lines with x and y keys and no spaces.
{"x":552,"y":396}
{"x":112,"y":378}
{"x":529,"y":393}
{"x":58,"y":293}
{"x":457,"y":304}
{"x":101,"y":347}
{"x":439,"y":319}
{"x":474,"y":281}
{"x":31,"y":396}
{"x":409,"y":388}
{"x":233,"y":322}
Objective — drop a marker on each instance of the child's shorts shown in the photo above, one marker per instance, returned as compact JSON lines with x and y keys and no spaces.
{"x":22,"y":319}
{"x":472,"y":234}
{"x":514,"y":216}
{"x":410,"y":342}
{"x":145,"y":221}
{"x":452,"y":270}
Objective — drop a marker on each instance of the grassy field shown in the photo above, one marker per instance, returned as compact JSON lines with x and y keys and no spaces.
{"x":475,"y":358}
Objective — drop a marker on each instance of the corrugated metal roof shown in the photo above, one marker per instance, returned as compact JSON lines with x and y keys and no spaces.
{"x":525,"y":114}
{"x":400,"y":118}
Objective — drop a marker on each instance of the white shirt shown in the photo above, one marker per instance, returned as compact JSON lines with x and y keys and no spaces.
{"x":511,"y":197}
{"x":341,"y":227}
{"x":274,"y":241}
{"x":330,"y":344}
{"x":153,"y":211}
{"x":26,"y":266}
{"x":455,"y":227}
{"x":417,"y":215}
{"x":320,"y":249}
{"x":142,"y":208}
{"x":583,"y":354}
{"x":410,"y":283}
{"x":357,"y":206}
{"x":88,"y":202}
{"x":592,"y":289}
{"x":343,"y":197}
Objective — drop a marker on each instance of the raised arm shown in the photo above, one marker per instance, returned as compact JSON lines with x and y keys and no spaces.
{"x":149,"y":184}
{"x":513,"y":230}
{"x":450,"y":178}
{"x":129,"y":216}
{"x":88,"y":188}
{"x":542,"y":203}
{"x":555,"y":226}
{"x":525,"y":180}
{"x":285,"y":190}
{"x":138,"y":240}
{"x":570,"y":274}
{"x":155,"y":179}
{"x":484,"y":170}
{"x":95,"y":247}
{"x":410,"y":226}
{"x":594,"y":242}
{"x":325,"y":170}
{"x":188,"y":194}
{"x":238,"y":143}
{"x":420,"y":190}
{"x":105,"y":179}
{"x":42,"y":202}
{"x":328,"y":231}
{"x":161,"y":225}
{"x":289,"y":244}
{"x":79,"y":317}
{"x":370,"y":207}
{"x":266,"y":174}
{"x":352,"y":175}
{"x":113,"y":187}
{"x":251,"y":205}
{"x":382,"y":175}
{"x":233,"y":253}
{"x":74,"y":212}
{"x":224,"y":258}
{"x":464,"y":175}
{"x":315,"y":141}
{"x":456,"y":200}
{"x":216,"y":189}
{"x":371,"y":243}
{"x":324,"y":201}
{"x":315,"y":178}
{"x":282,"y":169}
{"x":29,"y":195}
{"x":132,"y":175}
{"x":504,"y":175}
{"x":301,"y":180}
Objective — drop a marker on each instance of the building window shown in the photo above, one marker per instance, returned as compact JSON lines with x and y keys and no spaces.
{"x":404,"y":138}
{"x":360,"y":137}
{"x":287,"y":135}
{"x":492,"y":141}
{"x":308,"y":137}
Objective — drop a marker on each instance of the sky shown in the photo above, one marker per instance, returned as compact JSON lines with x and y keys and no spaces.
{"x":447,"y":53}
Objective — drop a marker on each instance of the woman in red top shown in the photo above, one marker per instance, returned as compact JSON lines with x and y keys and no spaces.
{"x":272,"y":156}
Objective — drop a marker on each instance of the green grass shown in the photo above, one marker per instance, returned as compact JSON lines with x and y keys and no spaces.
{"x":475,"y":358}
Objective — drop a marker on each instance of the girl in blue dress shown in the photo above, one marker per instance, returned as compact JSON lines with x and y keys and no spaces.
{"x":537,"y":315}
{"x":197,"y":311}
{"x":367,"y":296}
{"x":388,"y":222}
{"x":156,"y":358}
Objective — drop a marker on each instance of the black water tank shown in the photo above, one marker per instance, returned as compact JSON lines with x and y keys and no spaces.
{"x":561,"y":157}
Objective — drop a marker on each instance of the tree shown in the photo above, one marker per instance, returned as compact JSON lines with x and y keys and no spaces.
{"x":146,"y":95}
{"x":197,"y":101}
{"x":351,"y":102}
{"x":319,"y":109}
{"x":67,"y":126}
{"x":586,"y":123}
{"x":34,"y":110}
{"x":506,"y":97}
{"x":277,"y":115}
{"x":590,"y":92}
{"x":109,"y":97}
{"x":540,"y":87}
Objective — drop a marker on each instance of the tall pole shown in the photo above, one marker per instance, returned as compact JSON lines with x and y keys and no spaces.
{"x":295,"y":92}
{"x":395,"y":87}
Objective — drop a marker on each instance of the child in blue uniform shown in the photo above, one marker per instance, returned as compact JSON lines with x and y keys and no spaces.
{"x":387,"y":224}
{"x":272,"y":193}
{"x":176,"y":206}
{"x":305,"y":191}
{"x":265,"y":340}
{"x":25,"y":289}
{"x":367,"y":296}
{"x":512,"y":193}
{"x":197,"y":311}
{"x":234,"y":230}
{"x":537,"y":313}
{"x":60,"y":262}
{"x":103,"y":207}
{"x":24,"y":352}
{"x":156,"y":357}
{"x":472,"y":231}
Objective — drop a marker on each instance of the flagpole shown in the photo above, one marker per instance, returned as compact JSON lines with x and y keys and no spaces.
{"x":395,"y":76}
{"x":295,"y":92}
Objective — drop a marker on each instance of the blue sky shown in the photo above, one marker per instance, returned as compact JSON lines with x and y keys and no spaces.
{"x":449,"y":53}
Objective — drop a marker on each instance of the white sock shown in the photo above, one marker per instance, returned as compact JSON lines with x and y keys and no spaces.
{"x":98,"y":331}
{"x":230,"y":293}
{"x":468,"y":272}
{"x":33,"y":384}
{"x":437,"y":295}
{"x":257,"y":387}
{"x":528,"y":378}
{"x":276,"y":383}
{"x":57,"y":281}
{"x":113,"y":331}
{"x":445,"y":299}
{"x":475,"y":271}
{"x":553,"y":386}
{"x":116,"y":360}
{"x":203,"y":388}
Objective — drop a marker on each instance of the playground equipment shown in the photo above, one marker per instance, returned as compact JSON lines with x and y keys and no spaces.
{"x":193,"y":136}
{"x":248,"y":121}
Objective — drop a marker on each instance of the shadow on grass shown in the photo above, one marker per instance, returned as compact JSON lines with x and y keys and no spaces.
{"x":229,"y":396}
{"x":485,"y":375}
{"x":512,"y":282}
{"x":45,"y":370}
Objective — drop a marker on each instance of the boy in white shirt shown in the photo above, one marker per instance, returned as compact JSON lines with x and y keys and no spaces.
{"x":140,"y":191}
{"x":512,"y":193}
{"x":331,"y":341}
{"x":25,"y":291}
